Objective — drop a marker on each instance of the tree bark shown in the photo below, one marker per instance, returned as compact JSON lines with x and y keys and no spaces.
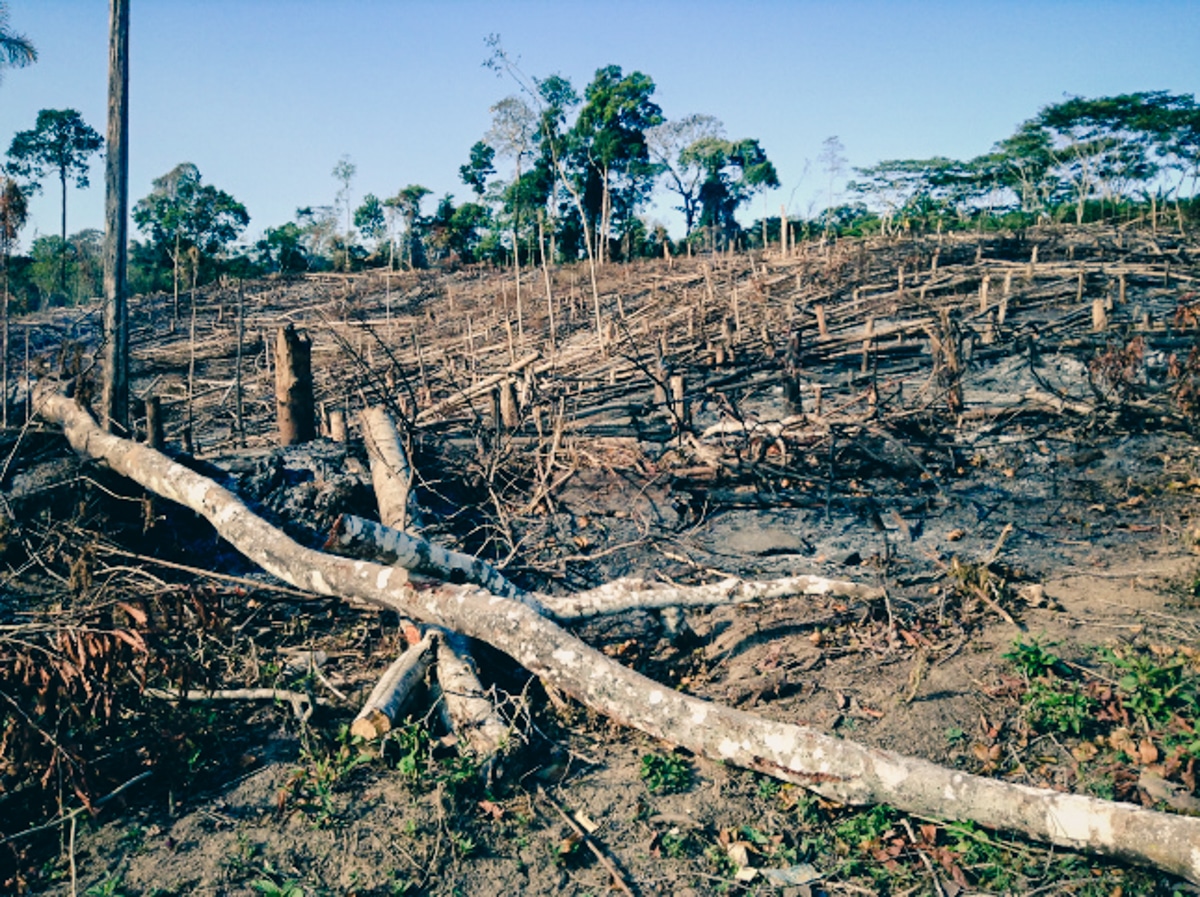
{"x":391,"y":473}
{"x":294,"y":387}
{"x":115,"y":394}
{"x":393,"y":690}
{"x":840,"y":770}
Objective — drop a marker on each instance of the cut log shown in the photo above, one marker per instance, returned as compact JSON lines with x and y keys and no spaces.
{"x":840,"y":770}
{"x":391,"y":474}
{"x":393,"y":690}
{"x":467,"y":711}
{"x":466,"y":708}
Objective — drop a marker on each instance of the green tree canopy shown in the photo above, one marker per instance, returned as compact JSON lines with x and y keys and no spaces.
{"x":60,"y":143}
{"x":182,"y":213}
{"x":611,"y":153}
{"x":370,"y":219}
{"x":408,"y":203}
{"x":733,"y":172}
{"x":16,"y":51}
{"x":478,"y":168}
{"x":683,"y":175}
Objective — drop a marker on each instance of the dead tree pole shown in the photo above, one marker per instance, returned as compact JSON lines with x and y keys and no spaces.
{"x":115,"y":397}
{"x":238,"y":407}
{"x":294,"y":387}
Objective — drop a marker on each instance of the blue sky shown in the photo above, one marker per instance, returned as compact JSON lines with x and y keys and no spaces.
{"x":264,"y":96}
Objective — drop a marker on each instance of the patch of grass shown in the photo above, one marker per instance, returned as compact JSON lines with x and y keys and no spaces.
{"x":866,"y":827}
{"x":665,"y":773}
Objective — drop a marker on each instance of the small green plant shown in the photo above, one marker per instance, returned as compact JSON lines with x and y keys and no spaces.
{"x":1053,"y":705}
{"x":768,"y":788}
{"x":866,"y":827}
{"x":323,"y":770}
{"x":955,"y":736}
{"x":464,"y":845}
{"x":721,"y":861}
{"x":269,"y":888}
{"x":677,"y":845}
{"x":1033,"y":661}
{"x":665,"y":774}
{"x":240,"y":860}
{"x":1152,"y":691}
{"x":109,"y":887}
{"x":406,"y":748}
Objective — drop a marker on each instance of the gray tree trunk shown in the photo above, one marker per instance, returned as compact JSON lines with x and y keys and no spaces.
{"x":115,"y":396}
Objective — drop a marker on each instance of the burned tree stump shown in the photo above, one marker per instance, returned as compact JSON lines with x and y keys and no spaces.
{"x":294,"y":387}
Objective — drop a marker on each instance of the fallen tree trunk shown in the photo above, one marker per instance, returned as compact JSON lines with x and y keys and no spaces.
{"x":391,"y":473}
{"x":840,"y":770}
{"x":368,"y":540}
{"x":361,"y":538}
{"x":467,"y":710}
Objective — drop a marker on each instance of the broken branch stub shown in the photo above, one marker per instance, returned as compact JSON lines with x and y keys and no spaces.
{"x":841,"y":770}
{"x":393,"y":690}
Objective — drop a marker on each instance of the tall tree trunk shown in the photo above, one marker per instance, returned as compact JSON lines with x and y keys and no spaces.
{"x":4,"y":349}
{"x":602,"y":231}
{"x":517,"y":247}
{"x":175,"y":284}
{"x":115,"y":397}
{"x":62,"y":248}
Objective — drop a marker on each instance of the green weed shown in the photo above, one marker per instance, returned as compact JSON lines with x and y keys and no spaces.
{"x":1053,"y":705}
{"x":1152,"y":691}
{"x":665,"y":774}
{"x":1033,"y":661}
{"x":109,"y":887}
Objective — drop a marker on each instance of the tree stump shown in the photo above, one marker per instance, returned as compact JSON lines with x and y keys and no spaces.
{"x":294,"y":387}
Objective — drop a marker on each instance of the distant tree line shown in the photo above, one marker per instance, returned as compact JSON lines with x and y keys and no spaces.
{"x":563,"y":176}
{"x":1120,"y":157}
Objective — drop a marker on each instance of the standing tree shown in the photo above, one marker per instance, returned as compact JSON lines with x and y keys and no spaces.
{"x":514,"y":126}
{"x":734,"y":171}
{"x":609,"y":139}
{"x":13,"y":211}
{"x":344,"y":172}
{"x":15,"y":49}
{"x":478,"y":168}
{"x":667,"y":143}
{"x":408,"y":203}
{"x":371,"y":220}
{"x":60,"y":143}
{"x":182,"y":214}
{"x":115,"y":395}
{"x":162,"y":217}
